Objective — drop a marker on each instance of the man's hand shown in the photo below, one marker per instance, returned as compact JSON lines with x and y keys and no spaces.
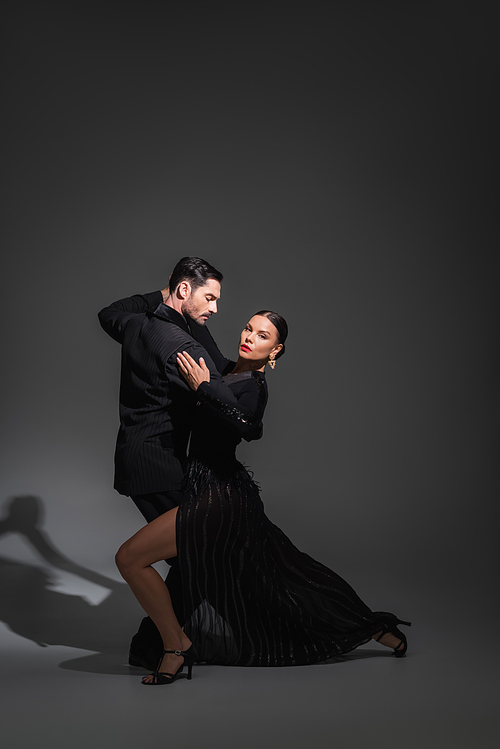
{"x":193,"y":373}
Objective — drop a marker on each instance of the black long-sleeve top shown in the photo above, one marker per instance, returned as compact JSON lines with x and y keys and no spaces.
{"x":219,"y":426}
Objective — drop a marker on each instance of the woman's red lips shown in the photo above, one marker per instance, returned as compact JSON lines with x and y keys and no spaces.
{"x":244,"y":347}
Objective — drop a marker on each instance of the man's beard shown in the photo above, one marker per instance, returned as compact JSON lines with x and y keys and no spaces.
{"x":191,"y":311}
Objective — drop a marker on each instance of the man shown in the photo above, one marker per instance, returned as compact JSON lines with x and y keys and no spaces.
{"x":156,"y":404}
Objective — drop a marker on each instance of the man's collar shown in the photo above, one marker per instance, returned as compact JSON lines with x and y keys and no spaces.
{"x":164,"y":312}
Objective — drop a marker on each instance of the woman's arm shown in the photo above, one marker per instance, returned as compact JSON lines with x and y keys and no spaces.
{"x":246,"y":417}
{"x":243,"y":417}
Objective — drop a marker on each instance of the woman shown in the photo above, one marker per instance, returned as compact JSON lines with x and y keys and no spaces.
{"x":248,"y":596}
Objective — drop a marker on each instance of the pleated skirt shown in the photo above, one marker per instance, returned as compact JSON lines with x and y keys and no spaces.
{"x":247,"y":595}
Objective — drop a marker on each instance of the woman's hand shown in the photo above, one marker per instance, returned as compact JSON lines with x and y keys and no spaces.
{"x":193,"y":373}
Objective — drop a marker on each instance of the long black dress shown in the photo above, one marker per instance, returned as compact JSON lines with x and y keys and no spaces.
{"x":248,"y":596}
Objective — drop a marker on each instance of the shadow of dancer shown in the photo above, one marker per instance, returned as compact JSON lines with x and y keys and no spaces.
{"x":47,"y":617}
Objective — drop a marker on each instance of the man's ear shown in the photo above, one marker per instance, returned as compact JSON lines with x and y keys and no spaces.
{"x":183,"y":290}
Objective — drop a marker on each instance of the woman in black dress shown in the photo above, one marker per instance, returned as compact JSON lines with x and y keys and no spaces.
{"x":247,"y":595}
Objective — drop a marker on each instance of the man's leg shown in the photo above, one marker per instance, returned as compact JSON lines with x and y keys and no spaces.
{"x":152,"y":506}
{"x":147,"y":645}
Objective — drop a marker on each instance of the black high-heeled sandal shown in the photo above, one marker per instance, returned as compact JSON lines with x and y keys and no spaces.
{"x":190,"y":655}
{"x":391,"y":623}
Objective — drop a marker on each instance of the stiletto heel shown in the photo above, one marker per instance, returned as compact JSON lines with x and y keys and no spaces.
{"x":190,"y":658}
{"x":190,"y":655}
{"x":391,"y":627}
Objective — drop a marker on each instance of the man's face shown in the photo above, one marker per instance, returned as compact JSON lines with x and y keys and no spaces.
{"x":202,"y":302}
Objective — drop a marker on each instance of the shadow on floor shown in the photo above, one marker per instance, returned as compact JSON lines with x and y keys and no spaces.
{"x":32,"y":610}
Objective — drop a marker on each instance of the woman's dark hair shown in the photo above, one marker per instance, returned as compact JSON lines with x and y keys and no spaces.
{"x":196,"y":271}
{"x":280,"y":325}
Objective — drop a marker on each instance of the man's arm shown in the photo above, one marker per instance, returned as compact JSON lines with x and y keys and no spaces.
{"x":202,"y":334}
{"x":114,"y":318}
{"x":194,"y":349}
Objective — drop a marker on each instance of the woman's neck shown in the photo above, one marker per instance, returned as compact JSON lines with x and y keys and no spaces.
{"x":243,"y":365}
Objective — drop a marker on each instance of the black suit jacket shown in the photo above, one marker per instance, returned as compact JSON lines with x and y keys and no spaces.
{"x":156,"y":404}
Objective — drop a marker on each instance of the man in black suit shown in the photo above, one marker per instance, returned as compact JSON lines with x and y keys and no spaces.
{"x":156,"y":404}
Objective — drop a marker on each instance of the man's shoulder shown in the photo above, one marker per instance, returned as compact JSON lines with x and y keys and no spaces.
{"x":167,"y":330}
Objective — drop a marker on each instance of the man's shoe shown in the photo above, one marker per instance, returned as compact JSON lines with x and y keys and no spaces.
{"x":146,"y":647}
{"x":147,"y":659}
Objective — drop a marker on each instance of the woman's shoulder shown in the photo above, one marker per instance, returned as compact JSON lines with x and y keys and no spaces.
{"x":260,"y":379}
{"x":248,"y":384}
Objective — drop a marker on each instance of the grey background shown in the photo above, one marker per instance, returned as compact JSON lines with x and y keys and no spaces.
{"x":336,"y":161}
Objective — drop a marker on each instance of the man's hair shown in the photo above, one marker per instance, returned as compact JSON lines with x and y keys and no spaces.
{"x":196,"y":271}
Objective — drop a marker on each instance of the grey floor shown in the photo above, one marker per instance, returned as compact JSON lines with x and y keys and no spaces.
{"x":335,"y":161}
{"x":65,"y":682}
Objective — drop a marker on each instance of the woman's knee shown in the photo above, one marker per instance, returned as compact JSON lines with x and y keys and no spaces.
{"x":125,"y":560}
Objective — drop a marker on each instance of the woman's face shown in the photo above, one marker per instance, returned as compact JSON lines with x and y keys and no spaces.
{"x":258,"y":340}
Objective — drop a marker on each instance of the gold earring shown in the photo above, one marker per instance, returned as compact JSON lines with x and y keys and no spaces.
{"x":272,"y":362}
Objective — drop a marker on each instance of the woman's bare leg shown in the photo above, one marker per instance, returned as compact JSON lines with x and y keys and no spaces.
{"x":153,"y":543}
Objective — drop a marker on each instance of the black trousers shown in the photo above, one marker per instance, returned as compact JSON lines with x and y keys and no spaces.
{"x":151,"y":506}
